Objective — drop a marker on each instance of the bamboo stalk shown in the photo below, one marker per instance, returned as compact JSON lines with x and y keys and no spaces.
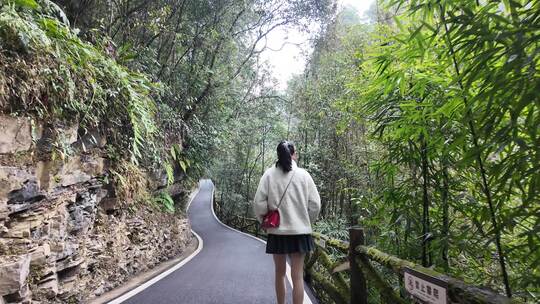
{"x":483,"y":173}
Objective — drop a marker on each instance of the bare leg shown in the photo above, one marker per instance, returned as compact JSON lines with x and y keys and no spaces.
{"x":280,"y":261}
{"x":297,"y":273}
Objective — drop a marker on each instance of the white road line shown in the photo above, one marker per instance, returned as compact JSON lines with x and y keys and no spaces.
{"x":192,"y":197}
{"x":307,"y":300}
{"x":162,"y":275}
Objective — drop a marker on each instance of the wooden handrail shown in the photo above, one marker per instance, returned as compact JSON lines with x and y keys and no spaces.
{"x":361,"y":271}
{"x":337,"y":244}
{"x":458,"y":291}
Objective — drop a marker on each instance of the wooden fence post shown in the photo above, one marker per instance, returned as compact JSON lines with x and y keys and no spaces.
{"x":359,"y":292}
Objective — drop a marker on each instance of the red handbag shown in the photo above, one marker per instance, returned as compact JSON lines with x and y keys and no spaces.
{"x":271,"y":218}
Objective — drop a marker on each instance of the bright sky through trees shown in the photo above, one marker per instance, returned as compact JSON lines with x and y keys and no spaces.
{"x":288,"y":49}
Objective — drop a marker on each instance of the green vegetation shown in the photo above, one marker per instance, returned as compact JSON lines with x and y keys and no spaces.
{"x":422,"y":126}
{"x":160,"y":79}
{"x":165,"y":200}
{"x":419,"y":123}
{"x":49,"y":72}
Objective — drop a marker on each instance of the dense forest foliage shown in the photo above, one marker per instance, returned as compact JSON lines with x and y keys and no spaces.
{"x":162,"y":79}
{"x":420,"y":124}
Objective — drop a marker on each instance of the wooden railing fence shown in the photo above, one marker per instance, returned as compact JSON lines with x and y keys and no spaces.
{"x":346,"y":279}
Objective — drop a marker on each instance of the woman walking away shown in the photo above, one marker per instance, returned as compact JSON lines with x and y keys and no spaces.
{"x":291,"y":191}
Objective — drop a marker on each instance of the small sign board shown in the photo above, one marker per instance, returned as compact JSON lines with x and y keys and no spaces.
{"x":425,"y":289}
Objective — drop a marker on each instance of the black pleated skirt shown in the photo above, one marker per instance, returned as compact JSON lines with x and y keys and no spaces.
{"x":284,"y":244}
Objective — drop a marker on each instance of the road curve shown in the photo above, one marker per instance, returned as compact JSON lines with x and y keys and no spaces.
{"x":231,"y":268}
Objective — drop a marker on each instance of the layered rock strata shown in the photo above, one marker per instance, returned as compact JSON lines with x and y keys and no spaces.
{"x":64,"y":236}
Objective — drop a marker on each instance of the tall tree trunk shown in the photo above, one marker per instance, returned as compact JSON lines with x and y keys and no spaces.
{"x":263,"y":167}
{"x":426,"y":254}
{"x":305,"y":158}
{"x":445,"y":220}
{"x":341,"y":202}
{"x":245,"y":168}
{"x":352,"y":218}
{"x":289,"y":118}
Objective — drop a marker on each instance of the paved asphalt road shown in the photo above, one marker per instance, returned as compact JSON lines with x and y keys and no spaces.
{"x":232,"y":268}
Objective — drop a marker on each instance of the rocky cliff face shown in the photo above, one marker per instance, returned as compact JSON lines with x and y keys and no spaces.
{"x":64,"y":235}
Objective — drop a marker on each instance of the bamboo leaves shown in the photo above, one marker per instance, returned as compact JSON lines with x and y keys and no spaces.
{"x":461,"y":81}
{"x":31,"y":4}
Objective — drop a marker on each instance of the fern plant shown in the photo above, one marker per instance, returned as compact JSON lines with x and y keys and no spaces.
{"x":71,"y":80}
{"x":165,"y":201}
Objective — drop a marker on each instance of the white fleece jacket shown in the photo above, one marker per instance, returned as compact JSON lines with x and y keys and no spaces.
{"x":301,"y":203}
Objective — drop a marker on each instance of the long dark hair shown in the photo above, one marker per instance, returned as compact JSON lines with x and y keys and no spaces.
{"x":285,"y":150}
